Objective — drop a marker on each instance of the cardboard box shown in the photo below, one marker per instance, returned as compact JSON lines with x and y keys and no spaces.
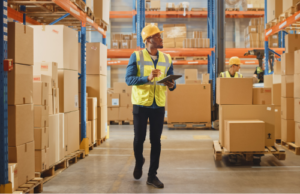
{"x":134,"y":36}
{"x":72,"y":126}
{"x":234,"y":91}
{"x":191,"y":74}
{"x":287,"y":63}
{"x":125,"y":113}
{"x":155,"y":4}
{"x":251,"y":29}
{"x":20,"y":43}
{"x":101,"y":11}
{"x":20,"y":124}
{"x":170,"y":5}
{"x":174,"y":31}
{"x":68,"y":95}
{"x":40,"y":93}
{"x":297,"y":110}
{"x":23,"y":155}
{"x":50,"y":100}
{"x":292,"y":42}
{"x":94,"y":130}
{"x":197,"y":34}
{"x":13,"y":175}
{"x":297,"y":85}
{"x":287,"y":108}
{"x":205,"y":78}
{"x":19,"y":85}
{"x":117,"y":37}
{"x":268,"y":81}
{"x":115,"y":44}
{"x":287,"y":4}
{"x":297,"y":62}
{"x":41,"y":116}
{"x":245,"y":135}
{"x":56,"y":43}
{"x":127,"y":37}
{"x":274,"y":9}
{"x":195,"y":97}
{"x":297,"y":134}
{"x":96,"y":86}
{"x":55,"y":100}
{"x":62,"y":137}
{"x":133,"y":44}
{"x":88,"y":132}
{"x":262,"y":96}
{"x":49,"y":69}
{"x":113,"y":100}
{"x":92,"y":107}
{"x":55,"y":139}
{"x":125,"y":44}
{"x":113,"y":114}
{"x":125,"y":100}
{"x":120,"y":87}
{"x":276,"y":94}
{"x":46,"y":79}
{"x":41,"y":160}
{"x":192,"y":81}
{"x":277,"y":67}
{"x":287,"y":130}
{"x":41,"y":138}
{"x":277,"y":118}
{"x":287,"y":86}
{"x":96,"y":58}
{"x":249,"y":112}
{"x":102,"y":123}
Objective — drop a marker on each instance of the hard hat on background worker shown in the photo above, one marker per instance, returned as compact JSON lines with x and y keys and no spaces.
{"x":234,"y":61}
{"x":149,"y":31}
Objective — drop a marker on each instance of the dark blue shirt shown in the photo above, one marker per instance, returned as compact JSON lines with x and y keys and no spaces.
{"x":133,"y":80}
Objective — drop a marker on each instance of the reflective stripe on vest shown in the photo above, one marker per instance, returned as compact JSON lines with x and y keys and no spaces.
{"x":226,"y":74}
{"x":144,"y":94}
{"x":259,"y":70}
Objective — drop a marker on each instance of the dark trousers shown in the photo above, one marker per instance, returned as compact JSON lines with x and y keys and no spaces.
{"x":156,"y":119}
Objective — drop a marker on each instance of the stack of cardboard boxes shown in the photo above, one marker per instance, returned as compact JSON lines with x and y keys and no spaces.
{"x":124,"y":41}
{"x":297,"y":97}
{"x":119,"y":103}
{"x":174,"y":35}
{"x":255,"y":34}
{"x":20,"y":104}
{"x":241,"y":109}
{"x":96,"y":86}
{"x":195,"y":96}
{"x":62,"y":48}
{"x":255,"y":4}
{"x":92,"y":119}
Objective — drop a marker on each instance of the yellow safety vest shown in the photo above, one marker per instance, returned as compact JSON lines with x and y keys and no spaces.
{"x":144,"y":94}
{"x":226,"y":74}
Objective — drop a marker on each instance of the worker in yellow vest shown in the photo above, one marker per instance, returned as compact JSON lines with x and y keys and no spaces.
{"x":260,"y":73}
{"x":145,"y":69}
{"x":233,"y":72}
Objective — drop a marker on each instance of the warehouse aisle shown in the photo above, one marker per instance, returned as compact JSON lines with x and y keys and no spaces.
{"x":187,"y":166}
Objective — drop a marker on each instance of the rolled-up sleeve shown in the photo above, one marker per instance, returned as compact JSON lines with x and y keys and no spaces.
{"x":171,"y":72}
{"x":131,"y":73}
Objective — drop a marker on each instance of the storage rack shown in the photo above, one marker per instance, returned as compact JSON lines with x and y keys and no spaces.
{"x":48,"y":12}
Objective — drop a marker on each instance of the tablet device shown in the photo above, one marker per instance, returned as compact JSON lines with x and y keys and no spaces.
{"x":169,"y":78}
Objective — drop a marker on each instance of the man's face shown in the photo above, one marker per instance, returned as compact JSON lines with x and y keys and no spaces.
{"x":236,"y":68}
{"x":156,"y":41}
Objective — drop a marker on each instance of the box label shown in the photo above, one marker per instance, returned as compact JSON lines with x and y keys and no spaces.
{"x":166,"y":113}
{"x":37,"y":78}
{"x":115,"y":101}
{"x":44,"y":67}
{"x":76,"y":101}
{"x":253,"y":29}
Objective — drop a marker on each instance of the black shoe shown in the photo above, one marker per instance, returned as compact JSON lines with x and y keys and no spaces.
{"x":138,"y":172}
{"x":155,"y":182}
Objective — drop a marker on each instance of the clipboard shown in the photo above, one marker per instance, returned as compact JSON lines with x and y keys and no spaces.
{"x":169,"y":78}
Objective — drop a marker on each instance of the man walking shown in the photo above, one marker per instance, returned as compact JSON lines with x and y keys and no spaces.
{"x":145,"y":68}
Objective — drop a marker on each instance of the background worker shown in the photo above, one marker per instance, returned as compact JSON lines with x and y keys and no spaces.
{"x":260,"y":72}
{"x":145,"y":68}
{"x":233,"y":72}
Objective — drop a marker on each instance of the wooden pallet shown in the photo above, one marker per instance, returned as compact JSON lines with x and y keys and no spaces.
{"x":232,"y":9}
{"x":154,"y":9}
{"x":120,"y":122}
{"x":93,"y":145}
{"x":178,"y":58}
{"x":101,"y":23}
{"x":292,"y":147}
{"x":199,"y":58}
{"x":60,"y":166}
{"x":199,"y":9}
{"x":219,"y":151}
{"x":189,"y":125}
{"x":170,"y":9}
{"x":102,"y":140}
{"x":255,"y":9}
{"x":33,"y":186}
{"x":80,"y":4}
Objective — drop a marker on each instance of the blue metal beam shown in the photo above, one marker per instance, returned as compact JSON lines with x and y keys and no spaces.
{"x":62,"y":17}
{"x":140,"y":22}
{"x":134,"y":17}
{"x":3,"y":98}
{"x":103,"y":40}
{"x":23,"y":9}
{"x":266,"y":43}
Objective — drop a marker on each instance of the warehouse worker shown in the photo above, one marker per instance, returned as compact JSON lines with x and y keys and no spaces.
{"x":145,"y":68}
{"x":259,"y":73}
{"x":235,"y":65}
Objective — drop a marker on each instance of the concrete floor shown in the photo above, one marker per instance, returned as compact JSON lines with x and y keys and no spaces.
{"x":187,"y":165}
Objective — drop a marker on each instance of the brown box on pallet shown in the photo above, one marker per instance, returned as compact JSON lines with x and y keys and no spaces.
{"x":277,"y":67}
{"x":115,"y":44}
{"x":46,"y":79}
{"x":297,"y":110}
{"x":170,"y":5}
{"x":155,"y":4}
{"x":297,"y":133}
{"x":134,"y":36}
{"x":23,"y":155}
{"x":287,"y":86}
{"x":287,"y":130}
{"x":179,"y":42}
{"x":102,"y":122}
{"x":41,"y":138}
{"x":174,"y":31}
{"x":169,"y":42}
{"x":13,"y":175}
{"x":113,"y":113}
{"x":287,"y":108}
{"x":20,"y":43}
{"x":113,"y":100}
{"x":244,"y":135}
{"x":297,"y":62}
{"x":96,"y":86}
{"x":96,"y":58}
{"x":268,"y":81}
{"x":71,"y":120}
{"x":277,"y":119}
{"x":41,"y":160}
{"x":120,"y":87}
{"x":292,"y":42}
{"x":127,"y":37}
{"x":250,"y":112}
{"x":195,"y":97}
{"x":55,"y":139}
{"x":41,"y":116}
{"x":19,"y":85}
{"x":297,"y":85}
{"x":68,"y":95}
{"x":191,"y":74}
{"x":48,"y":69}
{"x":20,"y":124}
{"x":287,"y":63}
{"x":262,"y":96}
{"x":101,"y":10}
{"x":276,"y":94}
{"x":274,"y":9}
{"x":125,"y":100}
{"x":287,"y":4}
{"x":125,"y":113}
{"x":40,"y":93}
{"x":92,"y":107}
{"x":234,"y":91}
{"x":125,"y":44}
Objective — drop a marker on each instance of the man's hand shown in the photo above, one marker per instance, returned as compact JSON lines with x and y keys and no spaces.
{"x":155,"y":73}
{"x":170,"y":84}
